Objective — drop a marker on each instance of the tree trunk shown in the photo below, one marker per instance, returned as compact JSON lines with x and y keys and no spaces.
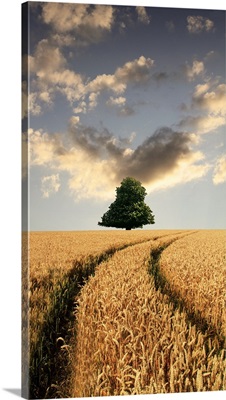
{"x":128,"y":229}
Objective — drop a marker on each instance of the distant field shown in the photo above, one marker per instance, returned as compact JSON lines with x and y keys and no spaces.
{"x":151,"y":318}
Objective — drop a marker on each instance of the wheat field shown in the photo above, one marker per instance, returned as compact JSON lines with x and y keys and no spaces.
{"x":101,"y":321}
{"x":52,"y":255}
{"x":130,"y":340}
{"x":199,"y":261}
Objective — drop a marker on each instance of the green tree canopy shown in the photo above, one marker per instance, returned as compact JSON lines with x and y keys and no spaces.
{"x":128,"y":210}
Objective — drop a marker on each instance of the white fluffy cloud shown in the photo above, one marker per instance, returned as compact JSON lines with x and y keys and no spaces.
{"x":50,"y":185}
{"x":210,"y":97}
{"x":69,"y":17}
{"x":50,"y":74}
{"x":43,"y":149}
{"x":49,"y":69}
{"x":116,"y":101}
{"x":219,"y":175}
{"x":203,"y":124}
{"x":195,"y":70}
{"x":136,"y":71}
{"x":197,"y":24}
{"x":88,"y":22}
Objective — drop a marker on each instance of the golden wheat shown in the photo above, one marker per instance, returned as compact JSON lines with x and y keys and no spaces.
{"x":51,"y":255}
{"x":195,"y":267}
{"x":50,"y":260}
{"x":131,"y":341}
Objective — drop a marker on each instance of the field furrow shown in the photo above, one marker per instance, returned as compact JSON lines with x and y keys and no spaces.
{"x":56,"y":265}
{"x":101,"y":322}
{"x":195,"y":269}
{"x":130,"y":339}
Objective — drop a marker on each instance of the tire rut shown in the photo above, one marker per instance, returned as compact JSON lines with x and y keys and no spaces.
{"x":163,"y":285}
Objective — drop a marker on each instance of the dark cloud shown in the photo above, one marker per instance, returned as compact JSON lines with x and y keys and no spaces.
{"x":157,"y":156}
{"x":160,"y":77}
{"x":97,"y":144}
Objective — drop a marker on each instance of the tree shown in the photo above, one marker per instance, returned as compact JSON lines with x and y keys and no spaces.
{"x":128,"y":210}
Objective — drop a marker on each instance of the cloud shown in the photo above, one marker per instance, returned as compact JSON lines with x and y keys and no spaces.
{"x":88,"y":22}
{"x":116,"y":101}
{"x":202,"y":124}
{"x":81,"y":108}
{"x":170,"y":26}
{"x":46,"y":60}
{"x":198,"y":24}
{"x":24,"y":99}
{"x":24,"y":147}
{"x":120,"y":104}
{"x":50,"y":75}
{"x":93,"y":100}
{"x":210,"y":97}
{"x":44,"y":148}
{"x":126,"y":111}
{"x":105,"y":82}
{"x":195,"y":70}
{"x":97,"y":144}
{"x":33,"y":106}
{"x":136,"y":71}
{"x":96,"y":160}
{"x":160,"y":156}
{"x":211,"y":55}
{"x":50,"y":185}
{"x":142,"y":15}
{"x":219,"y":175}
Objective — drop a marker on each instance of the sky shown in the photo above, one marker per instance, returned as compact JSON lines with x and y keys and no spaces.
{"x":115,"y":91}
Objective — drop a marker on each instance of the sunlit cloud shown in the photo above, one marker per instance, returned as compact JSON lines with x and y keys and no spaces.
{"x":43,"y":149}
{"x":219,"y":175}
{"x":142,"y":15}
{"x":88,"y":22}
{"x":33,"y":106}
{"x":211,"y":99}
{"x":50,"y":185}
{"x":116,"y":101}
{"x":49,"y":67}
{"x":136,"y":71}
{"x":81,"y":108}
{"x":196,"y":69}
{"x":197,"y":24}
{"x":96,"y":161}
{"x":203,"y":124}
